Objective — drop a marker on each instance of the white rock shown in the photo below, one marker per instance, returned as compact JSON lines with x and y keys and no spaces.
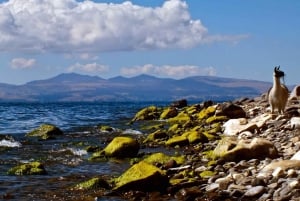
{"x":295,"y":122}
{"x":278,"y":172}
{"x":234,"y":126}
{"x":296,"y":156}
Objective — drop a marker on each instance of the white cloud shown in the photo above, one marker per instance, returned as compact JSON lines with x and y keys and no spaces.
{"x":169,"y":71}
{"x":22,"y":63}
{"x":72,"y":26}
{"x":90,"y":68}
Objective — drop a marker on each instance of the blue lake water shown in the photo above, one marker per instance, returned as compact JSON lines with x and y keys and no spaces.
{"x":65,"y":158}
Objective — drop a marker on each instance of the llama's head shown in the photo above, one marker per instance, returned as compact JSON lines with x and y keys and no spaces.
{"x":278,"y":73}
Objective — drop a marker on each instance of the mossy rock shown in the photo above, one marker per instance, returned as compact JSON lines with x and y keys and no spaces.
{"x":142,"y":177}
{"x":33,"y":168}
{"x":206,"y":112}
{"x":163,"y":158}
{"x":214,"y":119}
{"x":105,"y":128}
{"x":194,"y":109}
{"x":210,"y":136}
{"x":194,"y":136}
{"x":148,"y":113}
{"x":122,"y":147}
{"x":177,"y":141}
{"x":169,"y":113}
{"x":181,"y":118}
{"x":157,"y":135}
{"x":207,"y":174}
{"x":45,"y":132}
{"x":92,"y":184}
{"x":175,"y":129}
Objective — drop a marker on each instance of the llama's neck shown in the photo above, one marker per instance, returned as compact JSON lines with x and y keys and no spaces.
{"x":276,"y":82}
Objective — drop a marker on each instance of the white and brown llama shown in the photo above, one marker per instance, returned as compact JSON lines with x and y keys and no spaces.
{"x":279,"y":93}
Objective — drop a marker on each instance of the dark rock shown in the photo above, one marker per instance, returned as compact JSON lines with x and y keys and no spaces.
{"x":179,"y":103}
{"x":232,"y":111}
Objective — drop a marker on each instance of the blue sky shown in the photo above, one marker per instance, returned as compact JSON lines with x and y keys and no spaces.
{"x":235,"y":38}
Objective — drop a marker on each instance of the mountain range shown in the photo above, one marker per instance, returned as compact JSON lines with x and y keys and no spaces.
{"x":76,"y":87}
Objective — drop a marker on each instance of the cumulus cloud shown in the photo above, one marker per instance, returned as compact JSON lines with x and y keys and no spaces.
{"x":22,"y":63}
{"x":169,"y":71}
{"x":87,"y":26}
{"x":90,"y":68}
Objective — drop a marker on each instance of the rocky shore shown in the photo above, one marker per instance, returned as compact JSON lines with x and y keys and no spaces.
{"x":224,"y":151}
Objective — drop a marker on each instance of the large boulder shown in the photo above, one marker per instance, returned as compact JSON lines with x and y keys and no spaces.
{"x":33,"y":168}
{"x":45,"y":132}
{"x":231,"y":110}
{"x":232,"y":149}
{"x":121,"y":147}
{"x":142,"y":177}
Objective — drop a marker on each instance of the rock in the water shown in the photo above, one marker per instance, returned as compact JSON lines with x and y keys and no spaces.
{"x":143,"y":177}
{"x":45,"y":131}
{"x":33,"y":168}
{"x":148,"y":113}
{"x":91,"y":184}
{"x":122,"y":147}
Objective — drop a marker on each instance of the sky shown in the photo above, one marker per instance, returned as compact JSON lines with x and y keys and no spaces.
{"x":244,"y":39}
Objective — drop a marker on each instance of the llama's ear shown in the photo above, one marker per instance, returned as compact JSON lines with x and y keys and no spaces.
{"x":275,"y":69}
{"x":278,"y":67}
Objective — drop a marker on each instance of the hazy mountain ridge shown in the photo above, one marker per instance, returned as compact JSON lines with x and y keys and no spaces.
{"x":76,"y":87}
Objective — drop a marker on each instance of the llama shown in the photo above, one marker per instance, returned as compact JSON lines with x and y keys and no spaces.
{"x":279,"y":93}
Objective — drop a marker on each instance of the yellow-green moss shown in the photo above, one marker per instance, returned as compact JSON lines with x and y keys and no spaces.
{"x":105,"y":128}
{"x":163,"y":158}
{"x":92,"y":184}
{"x":168,"y":113}
{"x":148,"y":113}
{"x":33,"y":168}
{"x":122,"y":147}
{"x":207,"y":174}
{"x":194,"y":136}
{"x":159,"y":134}
{"x":142,"y":176}
{"x":174,"y":129}
{"x":182,"y":117}
{"x":206,"y":112}
{"x":177,"y":140}
{"x":214,"y":119}
{"x":45,"y":131}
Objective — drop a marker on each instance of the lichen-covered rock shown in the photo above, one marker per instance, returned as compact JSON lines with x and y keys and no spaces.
{"x":232,"y":149}
{"x":33,"y":168}
{"x":214,"y":119}
{"x":195,"y":136}
{"x":148,"y":113}
{"x":207,"y":112}
{"x":122,"y":147}
{"x":156,"y":135}
{"x":45,"y":132}
{"x":105,"y":128}
{"x":142,"y":177}
{"x":182,"y":117}
{"x":163,"y":158}
{"x":91,"y":184}
{"x":177,"y":140}
{"x":169,"y":113}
